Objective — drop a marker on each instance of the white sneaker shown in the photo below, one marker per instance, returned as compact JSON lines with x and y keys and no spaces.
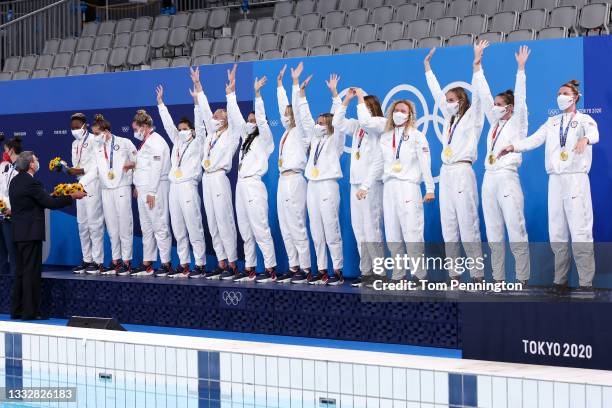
{"x":141,"y":274}
{"x":179,"y":275}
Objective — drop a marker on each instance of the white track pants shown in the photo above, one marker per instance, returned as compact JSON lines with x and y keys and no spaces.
{"x":220,"y":215}
{"x":366,"y":220}
{"x":186,"y":219}
{"x":459,"y":214}
{"x":570,"y":214}
{"x":404,"y":224}
{"x":155,"y":225}
{"x":291,"y":208}
{"x":90,"y":220}
{"x":502,"y":205}
{"x":252,"y":214}
{"x":323,"y":200}
{"x":117,"y":207}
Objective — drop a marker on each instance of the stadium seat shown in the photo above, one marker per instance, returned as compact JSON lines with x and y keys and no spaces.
{"x":349,"y":4}
{"x":324,"y":7}
{"x":492,"y":37}
{"x":403,"y":44}
{"x":445,"y":27}
{"x":77,"y":70}
{"x":292,"y":39}
{"x":357,"y":17}
{"x":103,"y":41}
{"x":395,"y":3}
{"x":407,"y":12}
{"x":89,"y":29}
{"x":350,"y":48}
{"x":85,"y":43}
{"x":430,"y":42}
{"x":372,"y":4}
{"x":339,"y":36}
{"x":118,"y":58}
{"x":225,"y":58}
{"x":245,"y":43}
{"x":577,"y":3}
{"x":124,"y":25}
{"x":272,"y":54}
{"x":160,"y":63}
{"x":364,"y":34}
{"x":100,"y":57}
{"x":68,"y":45}
{"x":334,"y":19}
{"x":140,"y":38}
{"x":282,"y":9}
{"x":56,"y":72}
{"x":180,"y":20}
{"x":296,"y":52}
{"x":374,"y":46}
{"x":122,"y":40}
{"x":28,"y":63}
{"x":552,"y":32}
{"x":223,"y":45}
{"x":474,"y":24}
{"x":564,"y":16}
{"x":321,"y":50}
{"x":433,"y":10}
{"x":203,"y":60}
{"x":178,"y":41}
{"x":309,"y":21}
{"x":11,"y":64}
{"x":51,"y":46}
{"x":418,"y":29}
{"x":137,"y":55}
{"x":304,"y":7}
{"x":249,"y":56}
{"x":202,"y":46}
{"x":159,"y":39}
{"x":460,"y":39}
{"x":520,"y":35}
{"x":545,"y":4}
{"x":514,"y":5}
{"x":21,"y":74}
{"x":594,"y":18}
{"x":533,"y":19}
{"x":45,"y":61}
{"x":486,"y":7}
{"x":316,"y":37}
{"x":382,"y":15}
{"x":218,"y":18}
{"x":503,"y":22}
{"x":243,"y":27}
{"x":198,"y":23}
{"x":459,"y":8}
{"x":81,"y":58}
{"x":267,"y":42}
{"x":142,"y":23}
{"x":180,"y":62}
{"x":162,"y":21}
{"x":6,"y":76}
{"x":106,"y":28}
{"x":266,"y":25}
{"x":96,"y":69}
{"x":392,"y":31}
{"x":284,"y":25}
{"x":40,"y":73}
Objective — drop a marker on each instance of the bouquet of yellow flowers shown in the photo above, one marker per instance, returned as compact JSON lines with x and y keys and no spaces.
{"x":2,"y":206}
{"x":57,"y":164}
{"x":63,"y":189}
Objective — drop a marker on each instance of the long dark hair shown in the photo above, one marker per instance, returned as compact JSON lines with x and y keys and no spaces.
{"x":246,"y":146}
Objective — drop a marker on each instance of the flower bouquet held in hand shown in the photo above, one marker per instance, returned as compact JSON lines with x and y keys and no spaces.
{"x":67,"y":189}
{"x":3,"y":213}
{"x":57,"y":164}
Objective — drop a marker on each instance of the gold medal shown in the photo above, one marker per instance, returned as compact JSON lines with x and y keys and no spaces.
{"x":448,"y":152}
{"x":280,"y":162}
{"x":206,"y":163}
{"x":178,"y":173}
{"x":314,"y":172}
{"x":111,"y":175}
{"x":396,"y":166}
{"x":357,"y":155}
{"x":564,"y":155}
{"x":491,"y":159}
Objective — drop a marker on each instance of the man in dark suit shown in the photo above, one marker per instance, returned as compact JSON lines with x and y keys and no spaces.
{"x":28,"y":201}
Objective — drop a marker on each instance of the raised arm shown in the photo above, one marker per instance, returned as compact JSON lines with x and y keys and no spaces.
{"x":340,"y":121}
{"x":520,"y":92}
{"x":260,"y":116}
{"x":166,"y":118}
{"x":235,"y":119}
{"x":434,"y":85}
{"x":306,"y":121}
{"x":481,"y":86}
{"x":200,"y":128}
{"x":281,"y":95}
{"x":478,"y":76}
{"x":203,"y":105}
{"x":372,"y":125}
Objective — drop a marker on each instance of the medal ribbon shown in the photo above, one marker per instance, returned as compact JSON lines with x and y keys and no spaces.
{"x":211,"y":145}
{"x":451,"y":131}
{"x":495,"y":136}
{"x":399,"y":145}
{"x":80,"y":149}
{"x":319,"y":149}
{"x":8,"y":180}
{"x":282,"y":144}
{"x":180,"y":156}
{"x":112,"y":151}
{"x":360,"y":138}
{"x":563,"y":133}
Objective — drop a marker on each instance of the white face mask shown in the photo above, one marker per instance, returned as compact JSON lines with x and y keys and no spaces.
{"x":250,"y":128}
{"x":399,"y":118}
{"x":184,"y":133}
{"x":36,"y":167}
{"x":499,"y":111}
{"x":452,"y":108}
{"x":564,"y":101}
{"x":320,"y":130}
{"x":139,"y":135}
{"x":78,"y":133}
{"x":285,"y":121}
{"x":99,"y":137}
{"x":216,"y":124}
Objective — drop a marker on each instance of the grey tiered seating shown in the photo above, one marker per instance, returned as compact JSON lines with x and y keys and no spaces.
{"x":487,"y":7}
{"x":272,"y":54}
{"x":334,"y":19}
{"x":180,"y":20}
{"x":533,"y":19}
{"x":159,"y":39}
{"x":160,"y":63}
{"x":118,"y":58}
{"x":203,"y":60}
{"x":249,"y":56}
{"x":474,"y":24}
{"x":202,"y":47}
{"x":77,"y":70}
{"x":445,"y":27}
{"x":223,"y":45}
{"x":349,"y":4}
{"x":137,"y":55}
{"x":225,"y":58}
{"x":45,"y":61}
{"x":198,"y":22}
{"x":382,"y":15}
{"x":406,"y":13}
{"x":142,"y":23}
{"x":321,"y":50}
{"x":433,"y":10}
{"x":141,"y":38}
{"x":395,"y":3}
{"x":430,"y":42}
{"x":357,"y":17}
{"x":122,"y":40}
{"x":68,"y":45}
{"x":162,"y":21}
{"x":520,"y":35}
{"x":304,"y":7}
{"x":577,"y":3}
{"x":564,"y":16}
{"x":364,"y":34}
{"x":392,"y":31}
{"x":106,"y":27}
{"x":503,"y":22}
{"x":339,"y":36}
{"x":460,"y":39}
{"x":374,"y":46}
{"x":296,"y":52}
{"x":316,"y":37}
{"x":51,"y":46}
{"x":85,"y":43}
{"x":103,"y":41}
{"x":309,"y":21}
{"x":28,"y":63}
{"x":57,"y":72}
{"x":267,"y":42}
{"x":100,"y":57}
{"x":545,"y":4}
{"x":89,"y":29}
{"x":267,"y":24}
{"x":6,"y":76}
{"x":125,"y":25}
{"x":372,"y":4}
{"x":552,"y":32}
{"x":11,"y":64}
{"x":514,"y":5}
{"x":244,"y":27}
{"x":218,"y":18}
{"x":283,"y":25}
{"x":244,"y":44}
{"x":324,"y":7}
{"x":178,"y":41}
{"x":181,"y":62}
{"x":418,"y":29}
{"x":81,"y":58}
{"x":594,"y":18}
{"x":351,"y":48}
{"x":403,"y":44}
{"x":459,"y":8}
{"x":292,"y":39}
{"x":21,"y":74}
{"x":96,"y":69}
{"x":40,"y":73}
{"x":492,"y":37}
{"x":282,"y":9}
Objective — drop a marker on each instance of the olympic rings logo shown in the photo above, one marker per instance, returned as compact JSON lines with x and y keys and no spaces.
{"x":231,"y":298}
